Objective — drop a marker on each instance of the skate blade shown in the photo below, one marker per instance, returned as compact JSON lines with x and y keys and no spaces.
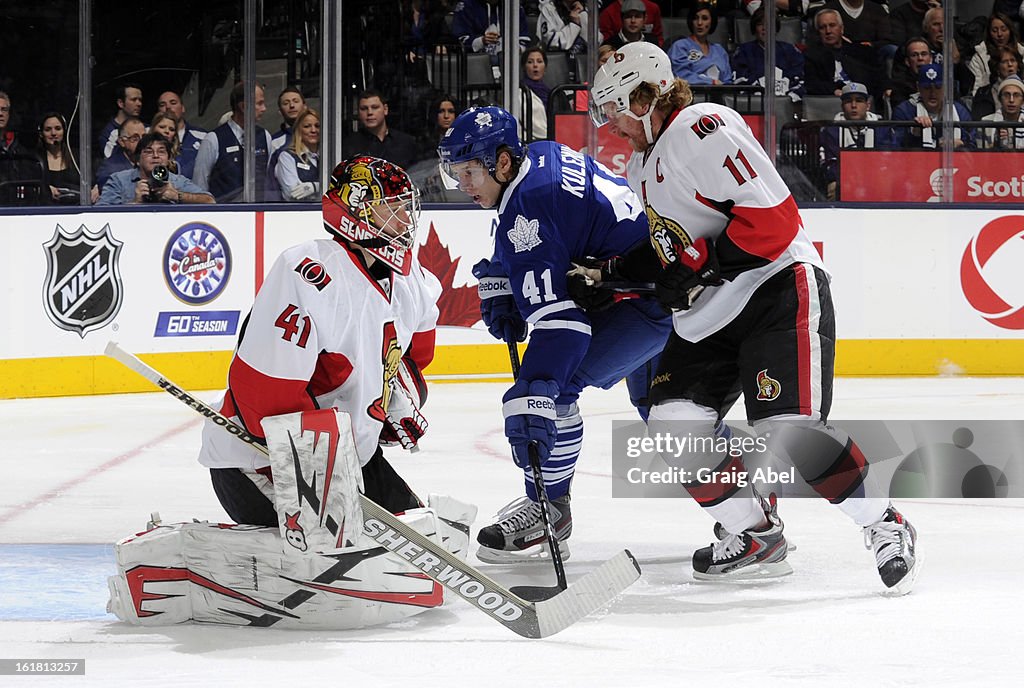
{"x":748,"y":574}
{"x":536,"y":554}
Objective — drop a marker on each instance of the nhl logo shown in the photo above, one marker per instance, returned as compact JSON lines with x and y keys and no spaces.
{"x":83,"y":290}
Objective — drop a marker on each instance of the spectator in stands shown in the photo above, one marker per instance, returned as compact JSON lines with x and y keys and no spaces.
{"x":190,"y":137}
{"x":146,"y":184}
{"x":934,"y":33}
{"x":837,"y":60}
{"x":926,"y":110}
{"x":424,"y":29}
{"x":62,"y":177}
{"x":477,"y":25}
{"x":563,"y":25}
{"x":129,"y":104}
{"x":291,"y":103}
{"x":903,"y":83}
{"x":610,"y":21}
{"x":220,"y":163}
{"x":1003,"y":63}
{"x":906,"y":21}
{"x":634,"y":21}
{"x":298,"y":167}
{"x":695,"y":58}
{"x":165,"y":124}
{"x":129,"y":133}
{"x":865,"y":22}
{"x":856,"y":107}
{"x":1011,"y":98}
{"x":9,"y":144}
{"x":748,"y":62}
{"x":1002,"y":33}
{"x":441,"y":112}
{"x":535,"y":115}
{"x":375,"y":137}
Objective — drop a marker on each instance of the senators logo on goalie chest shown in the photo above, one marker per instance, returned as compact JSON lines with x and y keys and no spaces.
{"x":83,"y":289}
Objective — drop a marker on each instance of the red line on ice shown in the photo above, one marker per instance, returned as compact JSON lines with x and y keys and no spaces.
{"x":68,"y":485}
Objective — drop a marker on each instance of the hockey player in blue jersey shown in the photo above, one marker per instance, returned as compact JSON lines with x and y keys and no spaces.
{"x":557,"y":208}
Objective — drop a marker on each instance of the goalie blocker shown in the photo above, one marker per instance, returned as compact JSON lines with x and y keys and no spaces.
{"x":330,"y":576}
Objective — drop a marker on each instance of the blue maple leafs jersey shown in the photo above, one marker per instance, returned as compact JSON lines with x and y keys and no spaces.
{"x":562,"y":207}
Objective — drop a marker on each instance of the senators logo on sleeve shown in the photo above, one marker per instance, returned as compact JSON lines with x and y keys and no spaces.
{"x":313,"y":273}
{"x":708,"y":124}
{"x":391,"y":357}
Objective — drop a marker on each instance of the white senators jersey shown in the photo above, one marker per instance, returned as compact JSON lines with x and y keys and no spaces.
{"x":323,"y":333}
{"x":707,"y":176}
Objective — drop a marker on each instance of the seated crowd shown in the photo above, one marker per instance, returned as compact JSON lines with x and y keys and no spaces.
{"x":879,"y":62}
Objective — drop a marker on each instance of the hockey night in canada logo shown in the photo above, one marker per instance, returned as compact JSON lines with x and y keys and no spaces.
{"x":197,"y":263}
{"x":82,"y":291}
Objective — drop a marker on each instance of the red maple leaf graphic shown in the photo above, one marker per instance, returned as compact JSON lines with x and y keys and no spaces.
{"x":459,"y":306}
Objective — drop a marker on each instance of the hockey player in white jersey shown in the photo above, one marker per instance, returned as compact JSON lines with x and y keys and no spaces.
{"x":334,"y":323}
{"x":751,"y":306}
{"x":326,"y":369}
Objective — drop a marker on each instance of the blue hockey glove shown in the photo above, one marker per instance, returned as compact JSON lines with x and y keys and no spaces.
{"x":497,"y":305}
{"x":529,"y":409}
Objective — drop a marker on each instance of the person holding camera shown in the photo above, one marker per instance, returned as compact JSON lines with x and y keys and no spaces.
{"x":151,"y":181}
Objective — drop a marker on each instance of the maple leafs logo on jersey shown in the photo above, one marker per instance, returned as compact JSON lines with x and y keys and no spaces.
{"x":708,"y":124}
{"x":525,"y":235}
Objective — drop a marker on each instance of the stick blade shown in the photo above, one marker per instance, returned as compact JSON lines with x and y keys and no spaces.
{"x":590,"y":593}
{"x":535,"y":593}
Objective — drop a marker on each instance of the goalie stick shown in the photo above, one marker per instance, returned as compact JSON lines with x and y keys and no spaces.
{"x":527,"y":619}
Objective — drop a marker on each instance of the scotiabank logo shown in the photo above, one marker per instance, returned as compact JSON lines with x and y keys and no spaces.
{"x":979,"y":187}
{"x":982,"y":297}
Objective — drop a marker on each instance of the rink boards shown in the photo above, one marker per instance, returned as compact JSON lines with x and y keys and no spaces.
{"x":917,"y":292}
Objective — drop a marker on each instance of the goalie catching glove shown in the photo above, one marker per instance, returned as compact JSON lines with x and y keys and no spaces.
{"x":404,"y":424}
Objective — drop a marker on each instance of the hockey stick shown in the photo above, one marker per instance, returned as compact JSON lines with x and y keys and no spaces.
{"x":528,"y":619}
{"x":532,"y":591}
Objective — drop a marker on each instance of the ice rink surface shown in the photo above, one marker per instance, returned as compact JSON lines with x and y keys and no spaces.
{"x":81,"y":473}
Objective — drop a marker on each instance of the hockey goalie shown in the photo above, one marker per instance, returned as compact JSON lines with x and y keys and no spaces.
{"x":327,"y":370}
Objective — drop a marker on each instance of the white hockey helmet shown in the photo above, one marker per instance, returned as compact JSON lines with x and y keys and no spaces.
{"x":628,"y":67}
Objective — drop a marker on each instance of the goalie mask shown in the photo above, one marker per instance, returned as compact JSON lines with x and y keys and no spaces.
{"x":372,"y":203}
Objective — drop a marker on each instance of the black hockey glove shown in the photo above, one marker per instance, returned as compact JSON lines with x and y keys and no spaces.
{"x":683,"y":280}
{"x":584,"y":284}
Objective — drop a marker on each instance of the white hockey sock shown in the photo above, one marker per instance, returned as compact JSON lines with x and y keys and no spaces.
{"x":560,"y":466}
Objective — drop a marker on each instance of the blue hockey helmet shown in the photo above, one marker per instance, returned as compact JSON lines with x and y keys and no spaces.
{"x":477,"y":134}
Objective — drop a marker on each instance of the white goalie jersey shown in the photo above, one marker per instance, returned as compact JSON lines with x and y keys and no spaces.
{"x":323,"y":332}
{"x":707,"y":176}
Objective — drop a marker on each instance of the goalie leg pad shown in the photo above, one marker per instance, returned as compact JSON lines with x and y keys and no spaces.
{"x":454,"y":519}
{"x":235,"y":575}
{"x":317,"y":479}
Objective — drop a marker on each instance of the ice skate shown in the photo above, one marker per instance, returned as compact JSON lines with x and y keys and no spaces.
{"x":750,"y":555}
{"x":894,"y":542}
{"x":518,"y":535}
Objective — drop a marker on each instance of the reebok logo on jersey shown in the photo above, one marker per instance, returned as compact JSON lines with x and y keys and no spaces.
{"x":313,"y":273}
{"x":707,"y":125}
{"x":525,"y":234}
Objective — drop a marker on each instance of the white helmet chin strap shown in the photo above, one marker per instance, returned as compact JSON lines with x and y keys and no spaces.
{"x":648,"y":131}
